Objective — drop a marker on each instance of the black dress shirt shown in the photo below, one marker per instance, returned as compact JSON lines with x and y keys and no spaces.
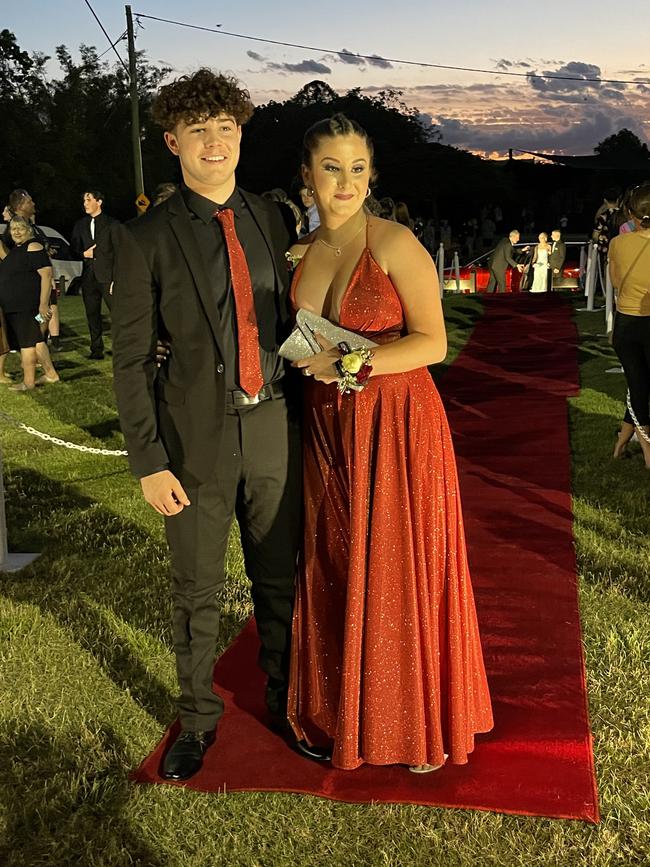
{"x":210,"y":239}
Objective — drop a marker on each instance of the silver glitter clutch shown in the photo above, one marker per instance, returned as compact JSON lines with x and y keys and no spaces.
{"x":302,"y":343}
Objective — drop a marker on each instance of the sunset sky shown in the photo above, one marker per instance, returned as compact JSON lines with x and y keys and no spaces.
{"x":486,"y":113}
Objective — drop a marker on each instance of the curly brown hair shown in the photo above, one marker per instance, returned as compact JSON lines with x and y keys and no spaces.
{"x":195,"y":98}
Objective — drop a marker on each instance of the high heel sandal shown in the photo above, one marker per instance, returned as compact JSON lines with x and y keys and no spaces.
{"x":623,"y":437}
{"x":426,"y":769}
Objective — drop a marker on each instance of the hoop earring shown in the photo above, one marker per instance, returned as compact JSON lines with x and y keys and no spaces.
{"x":310,"y":190}
{"x":368,"y":192}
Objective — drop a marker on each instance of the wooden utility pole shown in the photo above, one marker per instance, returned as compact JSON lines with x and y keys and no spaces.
{"x":135,"y":114}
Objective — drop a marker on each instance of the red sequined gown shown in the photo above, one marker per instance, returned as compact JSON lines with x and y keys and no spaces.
{"x":386,"y":655}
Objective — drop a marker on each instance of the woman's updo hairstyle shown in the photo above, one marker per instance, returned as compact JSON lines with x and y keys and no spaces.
{"x":639,"y":204}
{"x":331,"y":127}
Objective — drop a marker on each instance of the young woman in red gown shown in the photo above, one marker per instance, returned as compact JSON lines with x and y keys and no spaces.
{"x":386,"y":655}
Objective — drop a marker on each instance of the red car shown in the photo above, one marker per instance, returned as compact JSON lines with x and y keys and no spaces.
{"x":474,"y":276}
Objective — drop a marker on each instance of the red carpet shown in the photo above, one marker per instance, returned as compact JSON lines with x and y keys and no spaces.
{"x":506,"y":397}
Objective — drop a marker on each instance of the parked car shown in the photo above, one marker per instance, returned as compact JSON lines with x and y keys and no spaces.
{"x":475,"y":275}
{"x":66,"y":267}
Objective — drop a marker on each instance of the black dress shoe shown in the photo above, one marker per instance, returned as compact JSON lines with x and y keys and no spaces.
{"x":282,"y":726}
{"x":185,"y":757}
{"x":96,"y":356}
{"x":316,"y":754}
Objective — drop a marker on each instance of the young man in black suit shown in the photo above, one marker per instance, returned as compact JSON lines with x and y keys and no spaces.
{"x":212,"y":434}
{"x":556,"y":257}
{"x":501,"y":257}
{"x":92,"y":242}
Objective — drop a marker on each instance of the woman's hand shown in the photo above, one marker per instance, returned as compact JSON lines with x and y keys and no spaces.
{"x":44,"y":311}
{"x":321,"y":366}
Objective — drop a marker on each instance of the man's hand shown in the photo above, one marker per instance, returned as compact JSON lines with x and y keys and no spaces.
{"x":556,"y":270}
{"x":520,"y":268}
{"x":164,"y":492}
{"x":163,"y":351}
{"x":44,"y":310}
{"x":89,"y":253}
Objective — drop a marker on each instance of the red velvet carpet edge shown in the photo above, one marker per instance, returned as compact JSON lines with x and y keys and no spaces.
{"x":506,"y":398}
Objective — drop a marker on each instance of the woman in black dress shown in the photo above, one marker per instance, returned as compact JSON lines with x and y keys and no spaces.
{"x":25,"y":285}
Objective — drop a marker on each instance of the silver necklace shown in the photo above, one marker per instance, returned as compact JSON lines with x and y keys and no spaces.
{"x":337,"y":250}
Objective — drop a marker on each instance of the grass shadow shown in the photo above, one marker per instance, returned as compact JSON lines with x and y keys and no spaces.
{"x":65,"y":798}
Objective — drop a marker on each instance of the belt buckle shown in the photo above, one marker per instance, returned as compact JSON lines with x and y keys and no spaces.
{"x":240,"y":398}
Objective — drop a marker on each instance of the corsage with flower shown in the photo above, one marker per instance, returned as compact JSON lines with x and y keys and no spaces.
{"x":292,"y":260}
{"x":354,"y":368}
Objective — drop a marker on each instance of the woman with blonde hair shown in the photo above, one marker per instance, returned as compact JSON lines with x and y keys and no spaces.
{"x":541,"y":264}
{"x":25,"y":286}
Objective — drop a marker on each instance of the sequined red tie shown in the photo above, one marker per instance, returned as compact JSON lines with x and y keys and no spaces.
{"x":250,"y":370}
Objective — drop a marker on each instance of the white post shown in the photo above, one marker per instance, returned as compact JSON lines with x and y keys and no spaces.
{"x":609,"y":302}
{"x":457,"y":270}
{"x":590,"y":279}
{"x":441,"y":268}
{"x":583,"y":262}
{"x":9,"y":562}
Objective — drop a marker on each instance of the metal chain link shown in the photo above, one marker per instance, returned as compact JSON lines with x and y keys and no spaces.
{"x":59,"y":442}
{"x":639,"y":429}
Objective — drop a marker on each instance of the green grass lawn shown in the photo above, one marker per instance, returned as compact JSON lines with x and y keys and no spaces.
{"x":87,"y":675}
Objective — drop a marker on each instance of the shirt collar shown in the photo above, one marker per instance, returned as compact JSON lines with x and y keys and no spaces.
{"x":204,"y":208}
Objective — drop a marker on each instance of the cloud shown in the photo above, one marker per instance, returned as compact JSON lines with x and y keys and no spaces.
{"x":349,"y":57}
{"x":310,"y":67}
{"x":579,"y":137}
{"x":506,"y":65}
{"x":574,"y":70}
{"x":376,"y":60}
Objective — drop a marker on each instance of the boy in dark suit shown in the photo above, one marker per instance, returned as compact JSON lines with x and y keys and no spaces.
{"x":92,"y":242}
{"x":212,"y":434}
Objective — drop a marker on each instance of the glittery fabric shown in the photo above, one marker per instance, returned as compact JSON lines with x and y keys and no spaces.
{"x":248,"y":340}
{"x":386,"y":654}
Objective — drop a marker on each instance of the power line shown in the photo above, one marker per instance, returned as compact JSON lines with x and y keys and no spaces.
{"x":112,"y":44}
{"x":375,"y":57}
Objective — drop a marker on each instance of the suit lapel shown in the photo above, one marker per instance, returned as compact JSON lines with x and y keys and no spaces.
{"x":179,"y":221}
{"x":261,"y":217}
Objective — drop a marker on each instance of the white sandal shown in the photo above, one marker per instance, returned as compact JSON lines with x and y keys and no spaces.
{"x":426,"y":769}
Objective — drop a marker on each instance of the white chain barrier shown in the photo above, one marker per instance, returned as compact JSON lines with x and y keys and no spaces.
{"x":59,"y":442}
{"x":639,"y":429}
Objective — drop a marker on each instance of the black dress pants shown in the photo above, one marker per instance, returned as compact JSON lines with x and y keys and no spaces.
{"x":631,"y":341}
{"x":497,"y":281}
{"x":93,"y":293}
{"x":258,"y":480}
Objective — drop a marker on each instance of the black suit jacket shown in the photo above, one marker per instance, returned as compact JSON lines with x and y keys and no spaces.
{"x":103,"y":260}
{"x":557,"y":258}
{"x":502,"y":256}
{"x":173,"y":416}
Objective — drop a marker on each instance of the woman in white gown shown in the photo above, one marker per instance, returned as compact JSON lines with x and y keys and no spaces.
{"x":540,"y":264}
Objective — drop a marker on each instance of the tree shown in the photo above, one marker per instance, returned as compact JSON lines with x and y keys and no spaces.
{"x":622,"y":147}
{"x":271,"y":148}
{"x":72,"y":133}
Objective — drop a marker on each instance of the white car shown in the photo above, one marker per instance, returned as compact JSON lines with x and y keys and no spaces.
{"x":64,"y":265}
